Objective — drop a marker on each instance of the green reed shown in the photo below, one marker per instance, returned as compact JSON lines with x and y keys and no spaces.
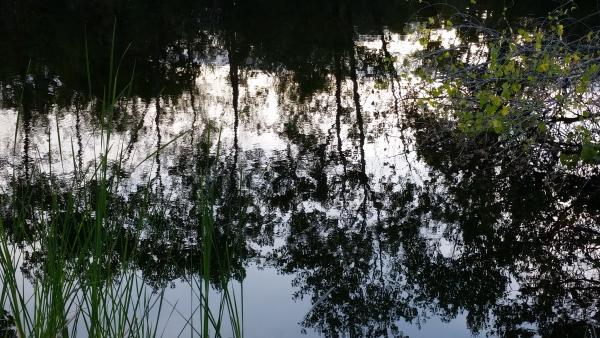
{"x":77,"y":288}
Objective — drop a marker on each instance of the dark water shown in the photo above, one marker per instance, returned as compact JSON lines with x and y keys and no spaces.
{"x":345,"y":210}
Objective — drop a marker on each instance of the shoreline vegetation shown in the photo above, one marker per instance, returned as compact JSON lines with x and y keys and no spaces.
{"x":75,"y":283}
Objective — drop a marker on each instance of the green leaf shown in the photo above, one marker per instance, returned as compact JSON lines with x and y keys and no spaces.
{"x":490,"y":109}
{"x":560,"y":29}
{"x":568,"y":160}
{"x":590,"y":152}
{"x":496,"y":101}
{"x":484,"y":98}
{"x":538,"y":41}
{"x":497,"y":125}
{"x":542,"y":127}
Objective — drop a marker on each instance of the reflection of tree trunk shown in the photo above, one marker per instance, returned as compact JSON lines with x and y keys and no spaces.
{"x":194,"y":114}
{"x":233,"y":53}
{"x":233,"y":200}
{"x":192,"y":89}
{"x":338,"y":122}
{"x":348,"y":35}
{"x":135,"y":131}
{"x":360,"y":125}
{"x":234,"y":78}
{"x":79,"y":142}
{"x":394,"y":77}
{"x":27,"y":108}
{"x":159,"y":55}
{"x":158,"y":144}
{"x":392,"y":71}
{"x":359,"y":116}
{"x":361,"y":132}
{"x":377,"y":14}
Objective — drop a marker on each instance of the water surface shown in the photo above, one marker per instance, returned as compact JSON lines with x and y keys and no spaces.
{"x":343,"y":205}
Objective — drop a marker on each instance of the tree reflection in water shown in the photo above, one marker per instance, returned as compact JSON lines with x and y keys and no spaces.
{"x":467,"y":225}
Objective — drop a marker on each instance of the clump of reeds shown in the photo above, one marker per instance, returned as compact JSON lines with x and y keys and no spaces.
{"x":77,"y":287}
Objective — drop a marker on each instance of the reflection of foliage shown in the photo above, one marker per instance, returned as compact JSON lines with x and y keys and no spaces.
{"x":497,"y":210}
{"x":532,"y":87}
{"x":7,"y":325}
{"x":49,"y":42}
{"x":519,"y":220}
{"x":490,"y":218}
{"x":341,"y":271}
{"x":506,"y":113}
{"x":49,"y":223}
{"x":163,"y":44}
{"x":145,"y":229}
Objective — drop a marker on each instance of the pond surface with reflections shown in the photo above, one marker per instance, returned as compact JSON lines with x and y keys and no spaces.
{"x":341,"y":207}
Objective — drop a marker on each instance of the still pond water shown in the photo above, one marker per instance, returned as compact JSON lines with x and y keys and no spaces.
{"x":340,"y":208}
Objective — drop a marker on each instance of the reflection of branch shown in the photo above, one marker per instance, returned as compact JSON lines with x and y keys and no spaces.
{"x":154,"y":153}
{"x":319,"y":301}
{"x":135,"y":134}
